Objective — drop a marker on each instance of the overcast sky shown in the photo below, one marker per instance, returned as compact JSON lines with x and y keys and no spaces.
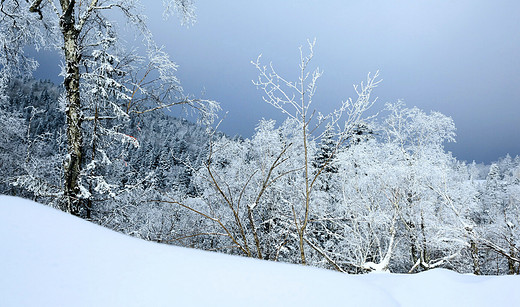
{"x":458,"y":57}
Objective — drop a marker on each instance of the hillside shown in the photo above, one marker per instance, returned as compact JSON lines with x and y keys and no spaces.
{"x":50,"y":258}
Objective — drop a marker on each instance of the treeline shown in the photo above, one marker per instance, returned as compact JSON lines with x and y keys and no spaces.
{"x":384,"y":195}
{"x":156,"y":154}
{"x":388,"y":199}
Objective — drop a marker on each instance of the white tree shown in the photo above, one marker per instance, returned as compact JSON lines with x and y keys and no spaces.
{"x":99,"y":75}
{"x":406,"y":203}
{"x":294,"y":99}
{"x":262,"y":194}
{"x":499,"y":230}
{"x":12,"y":146}
{"x":15,"y":33}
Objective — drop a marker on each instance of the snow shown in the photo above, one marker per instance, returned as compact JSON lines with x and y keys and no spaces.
{"x":49,"y":258}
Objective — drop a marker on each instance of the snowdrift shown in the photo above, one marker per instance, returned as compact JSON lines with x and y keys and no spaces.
{"x":49,"y":258}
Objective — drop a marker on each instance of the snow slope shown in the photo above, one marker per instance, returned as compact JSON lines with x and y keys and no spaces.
{"x":49,"y":258}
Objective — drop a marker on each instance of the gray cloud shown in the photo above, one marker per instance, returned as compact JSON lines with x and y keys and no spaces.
{"x":459,"y":57}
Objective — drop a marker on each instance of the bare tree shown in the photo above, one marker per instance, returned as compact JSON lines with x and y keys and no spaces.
{"x":294,"y":99}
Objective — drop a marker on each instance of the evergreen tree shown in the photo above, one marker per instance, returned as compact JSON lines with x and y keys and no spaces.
{"x":325,"y":155}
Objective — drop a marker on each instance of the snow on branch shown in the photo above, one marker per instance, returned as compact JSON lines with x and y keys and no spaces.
{"x":185,"y":9}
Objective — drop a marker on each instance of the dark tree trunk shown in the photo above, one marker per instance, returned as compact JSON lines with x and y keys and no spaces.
{"x":475,"y":257}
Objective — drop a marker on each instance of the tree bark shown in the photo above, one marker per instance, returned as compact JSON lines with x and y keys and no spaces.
{"x":72,"y":167}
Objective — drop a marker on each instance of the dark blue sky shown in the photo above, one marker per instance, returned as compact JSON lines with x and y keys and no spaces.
{"x":459,"y":57}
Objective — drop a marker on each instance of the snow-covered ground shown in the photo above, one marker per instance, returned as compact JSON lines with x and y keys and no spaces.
{"x":49,"y":258}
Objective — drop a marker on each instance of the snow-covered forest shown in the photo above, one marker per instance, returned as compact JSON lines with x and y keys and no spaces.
{"x":367,"y":187}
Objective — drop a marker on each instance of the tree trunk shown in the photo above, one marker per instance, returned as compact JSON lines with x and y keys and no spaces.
{"x":475,"y":256}
{"x":72,"y":167}
{"x":510,"y":262}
